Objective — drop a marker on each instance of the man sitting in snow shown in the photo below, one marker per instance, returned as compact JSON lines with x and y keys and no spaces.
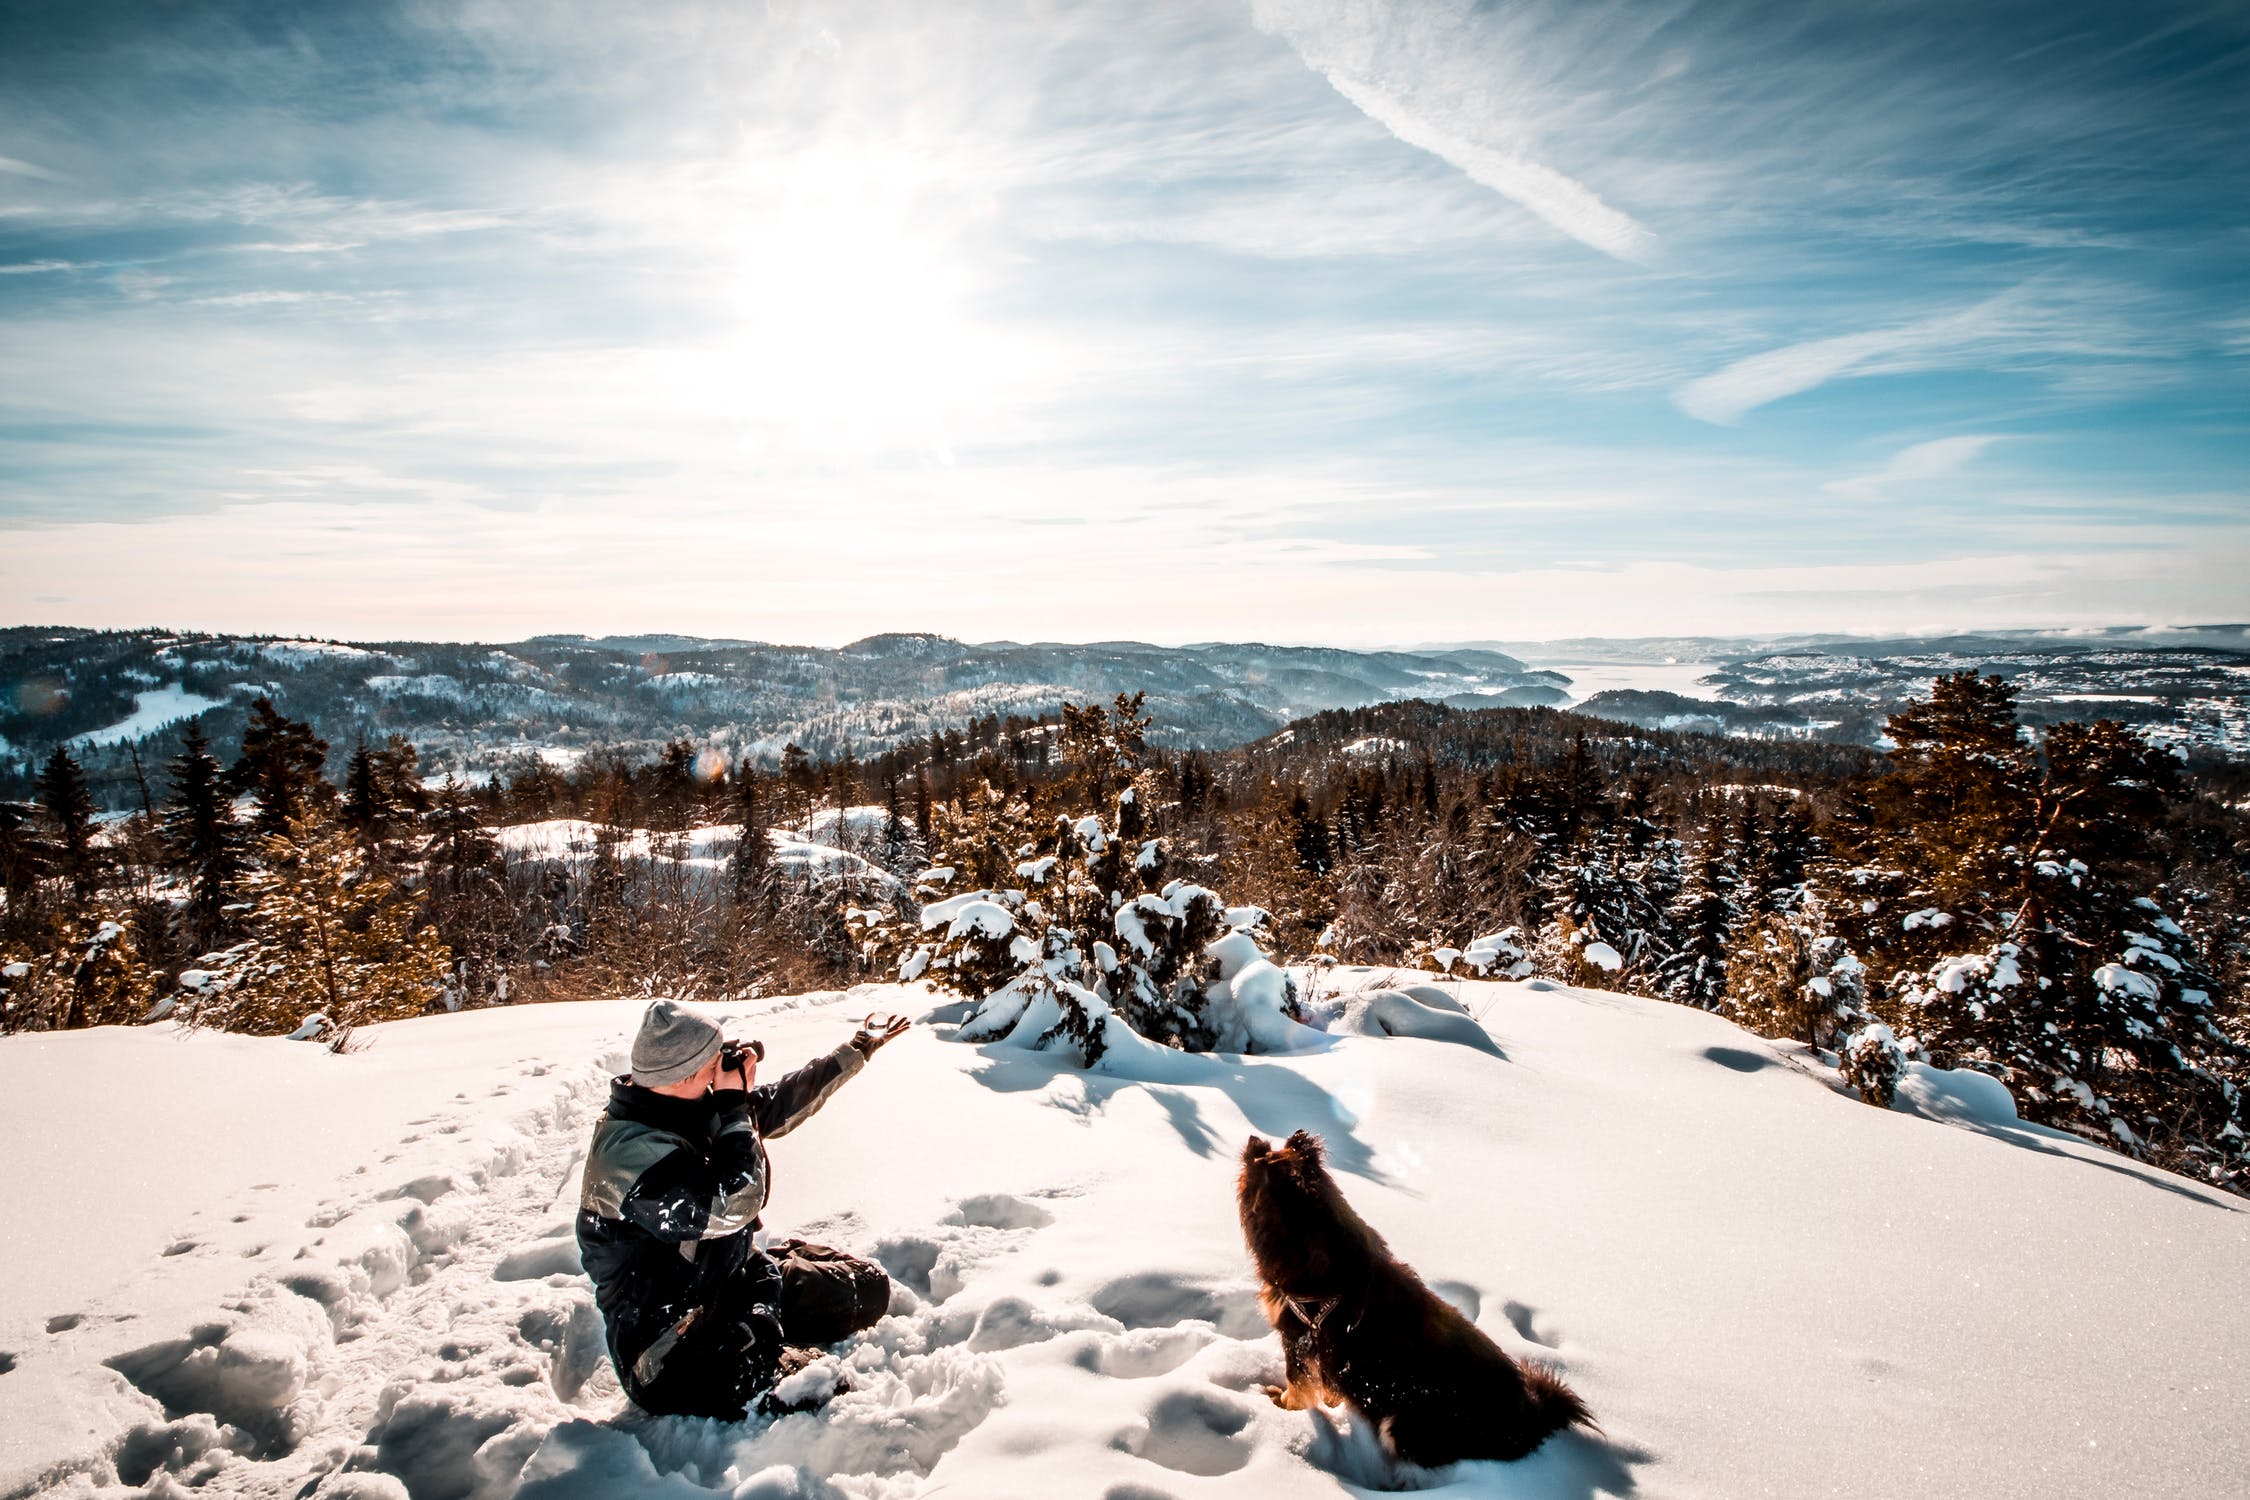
{"x":699,"y":1316}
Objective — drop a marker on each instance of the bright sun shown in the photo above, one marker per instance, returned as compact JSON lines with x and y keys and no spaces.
{"x":853,"y":337}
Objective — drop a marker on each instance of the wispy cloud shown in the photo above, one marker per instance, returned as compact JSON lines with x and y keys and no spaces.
{"x":1564,"y":202}
{"x":1922,"y":461}
{"x":15,"y":168}
{"x":1387,"y":74}
{"x":2004,"y":327}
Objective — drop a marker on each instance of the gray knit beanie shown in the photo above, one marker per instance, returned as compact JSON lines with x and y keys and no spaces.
{"x":673,"y":1043}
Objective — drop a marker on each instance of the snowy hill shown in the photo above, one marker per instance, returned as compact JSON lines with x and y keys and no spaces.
{"x":249,"y":1264}
{"x":472,"y":708}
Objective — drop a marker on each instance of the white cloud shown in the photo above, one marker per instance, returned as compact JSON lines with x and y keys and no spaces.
{"x":1569,"y":205}
{"x":1396,"y":76}
{"x":1726,"y":396}
{"x":1931,"y":460}
{"x":16,"y":168}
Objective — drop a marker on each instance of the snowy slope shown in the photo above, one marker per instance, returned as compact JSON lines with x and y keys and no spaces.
{"x":363,"y":1264}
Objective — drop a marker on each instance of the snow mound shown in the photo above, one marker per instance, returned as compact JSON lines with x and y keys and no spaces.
{"x":1959,"y":1094}
{"x":1403,"y":1013}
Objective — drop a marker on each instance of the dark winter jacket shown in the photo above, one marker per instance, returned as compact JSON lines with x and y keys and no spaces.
{"x":673,"y":1190}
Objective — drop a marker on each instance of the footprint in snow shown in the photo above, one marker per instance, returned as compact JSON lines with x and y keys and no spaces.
{"x":938,"y":1265}
{"x":1195,"y":1432}
{"x":1161,"y":1299}
{"x":1525,"y":1322}
{"x":1000,"y":1211}
{"x":1141,"y":1353}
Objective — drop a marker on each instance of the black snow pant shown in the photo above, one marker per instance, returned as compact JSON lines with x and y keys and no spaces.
{"x":736,"y":1347}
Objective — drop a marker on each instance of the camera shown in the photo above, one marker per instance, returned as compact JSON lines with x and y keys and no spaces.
{"x":733,"y":1053}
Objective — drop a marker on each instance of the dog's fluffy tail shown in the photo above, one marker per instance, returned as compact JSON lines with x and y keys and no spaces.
{"x":1553,"y":1404}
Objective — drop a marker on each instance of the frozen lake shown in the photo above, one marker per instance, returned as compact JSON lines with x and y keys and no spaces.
{"x":1590,"y":677}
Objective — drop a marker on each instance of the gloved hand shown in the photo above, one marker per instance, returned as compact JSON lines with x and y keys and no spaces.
{"x":876,"y":1030}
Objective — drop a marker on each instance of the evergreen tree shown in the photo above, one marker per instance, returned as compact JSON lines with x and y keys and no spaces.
{"x":280,"y":768}
{"x":468,"y":899}
{"x":69,"y":805}
{"x":1783,"y":856}
{"x":200,"y":837}
{"x":1704,"y":918}
{"x":398,"y":765}
{"x":1792,"y":980}
{"x":367,"y":809}
{"x":536,"y":790}
{"x":798,"y":779}
{"x":671,"y":784}
{"x":1275,"y":856}
{"x":753,"y":849}
{"x":326,"y":935}
{"x":26,"y":857}
{"x":902,"y":853}
{"x":90,"y":973}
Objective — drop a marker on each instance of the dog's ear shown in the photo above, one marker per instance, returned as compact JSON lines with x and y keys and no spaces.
{"x":1306,"y":1146}
{"x":1256,"y":1150}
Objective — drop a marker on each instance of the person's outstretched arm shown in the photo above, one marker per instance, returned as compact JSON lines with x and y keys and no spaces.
{"x":781,"y":1106}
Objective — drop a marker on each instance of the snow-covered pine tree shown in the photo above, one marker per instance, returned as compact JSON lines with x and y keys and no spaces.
{"x":1781,"y":849}
{"x":1591,"y":912}
{"x":1704,"y":918}
{"x":672,"y":786}
{"x":1068,"y":935}
{"x":90,"y":972}
{"x":201,"y":840}
{"x":1651,"y":877}
{"x":902,"y":852}
{"x":1791,"y":979}
{"x":1523,"y":837}
{"x":326,"y":936}
{"x":2035,"y":949}
{"x":465,"y":881}
{"x":1872,"y":1061}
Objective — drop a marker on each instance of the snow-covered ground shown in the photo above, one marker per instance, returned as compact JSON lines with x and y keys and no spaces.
{"x":253,"y":1263}
{"x":704,"y":851}
{"x":152,"y":710}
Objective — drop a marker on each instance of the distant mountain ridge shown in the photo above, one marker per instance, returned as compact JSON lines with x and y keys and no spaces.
{"x":473,"y":707}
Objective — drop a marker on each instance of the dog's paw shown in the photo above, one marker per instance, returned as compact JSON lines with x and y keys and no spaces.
{"x":1288,"y":1397}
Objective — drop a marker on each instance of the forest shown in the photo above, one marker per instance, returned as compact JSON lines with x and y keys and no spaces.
{"x":2065,"y":912}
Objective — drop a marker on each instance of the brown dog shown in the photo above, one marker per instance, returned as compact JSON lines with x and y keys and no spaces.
{"x":1358,"y":1325}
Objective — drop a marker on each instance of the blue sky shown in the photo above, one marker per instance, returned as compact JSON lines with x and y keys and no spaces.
{"x":1291,"y":320}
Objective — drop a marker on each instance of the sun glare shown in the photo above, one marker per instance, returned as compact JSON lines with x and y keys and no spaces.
{"x":853,"y":336}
